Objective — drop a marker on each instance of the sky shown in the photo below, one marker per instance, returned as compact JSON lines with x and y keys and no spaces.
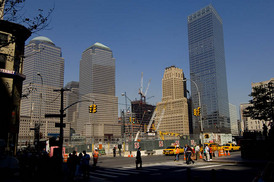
{"x":149,"y":35}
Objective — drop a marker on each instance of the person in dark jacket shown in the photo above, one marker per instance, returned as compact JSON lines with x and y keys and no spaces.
{"x":138,"y":158}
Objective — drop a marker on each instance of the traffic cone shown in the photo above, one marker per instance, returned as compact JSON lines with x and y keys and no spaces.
{"x":228,"y":153}
{"x":128,"y":155}
{"x":184,"y":157}
{"x":131,"y":155}
{"x":220,"y":154}
{"x":225,"y":153}
{"x":201,"y":157}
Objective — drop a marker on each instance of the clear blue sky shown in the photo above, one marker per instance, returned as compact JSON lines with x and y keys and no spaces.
{"x":149,"y":35}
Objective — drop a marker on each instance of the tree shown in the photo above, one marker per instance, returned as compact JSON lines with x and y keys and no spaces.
{"x":262,"y":103}
{"x":10,"y":10}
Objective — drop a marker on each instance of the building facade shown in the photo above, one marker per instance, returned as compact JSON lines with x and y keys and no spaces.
{"x":97,"y":84}
{"x":208,"y":70}
{"x":44,"y":70}
{"x":72,"y":98}
{"x":12,"y":43}
{"x":233,"y":120}
{"x":174,"y":104}
{"x":249,"y":124}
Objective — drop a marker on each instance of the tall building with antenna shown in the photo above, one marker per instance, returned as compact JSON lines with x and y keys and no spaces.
{"x":97,"y":86}
{"x":44,"y":70}
{"x":208,"y":70}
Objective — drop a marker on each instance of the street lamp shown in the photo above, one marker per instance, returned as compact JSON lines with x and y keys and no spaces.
{"x":40,"y":110}
{"x":199,"y":101}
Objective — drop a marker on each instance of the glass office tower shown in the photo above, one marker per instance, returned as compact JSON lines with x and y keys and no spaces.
{"x":208,"y":70}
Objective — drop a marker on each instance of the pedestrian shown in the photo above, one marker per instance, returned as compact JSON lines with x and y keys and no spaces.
{"x":79,"y":163}
{"x":210,"y":153}
{"x":138,"y":158}
{"x":197,"y":151}
{"x":206,"y":151}
{"x":114,"y":151}
{"x":95,"y":157}
{"x":177,"y":152}
{"x":189,"y":152}
{"x":72,"y":163}
{"x":85,"y":164}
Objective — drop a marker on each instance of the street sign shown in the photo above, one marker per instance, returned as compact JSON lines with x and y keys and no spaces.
{"x":161,"y":143}
{"x":54,"y":115}
{"x":58,"y":125}
{"x":136,"y":145}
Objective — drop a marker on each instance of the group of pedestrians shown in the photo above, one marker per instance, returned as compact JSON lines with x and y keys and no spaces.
{"x":78,"y":165}
{"x":197,"y":151}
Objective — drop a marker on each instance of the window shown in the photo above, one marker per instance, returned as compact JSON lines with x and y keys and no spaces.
{"x":3,"y":39}
{"x":3,"y":59}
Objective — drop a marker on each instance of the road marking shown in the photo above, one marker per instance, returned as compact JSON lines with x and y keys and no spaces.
{"x":105,"y":175}
{"x":115,"y":173}
{"x":207,"y":166}
{"x":180,"y":170}
{"x":122,"y":170}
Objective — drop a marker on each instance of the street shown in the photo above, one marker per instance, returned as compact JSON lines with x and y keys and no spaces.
{"x":164,"y":168}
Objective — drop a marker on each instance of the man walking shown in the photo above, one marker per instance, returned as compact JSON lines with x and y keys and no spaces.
{"x":177,"y":153}
{"x":85,"y":164}
{"x":138,"y":158}
{"x":197,"y":151}
{"x":95,"y":157}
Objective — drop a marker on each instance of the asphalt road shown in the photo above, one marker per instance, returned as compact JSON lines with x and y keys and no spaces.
{"x":164,"y":168}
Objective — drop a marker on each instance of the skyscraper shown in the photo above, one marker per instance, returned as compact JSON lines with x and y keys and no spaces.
{"x":208,"y":70}
{"x":97,"y":84}
{"x":174,"y":103}
{"x":44,"y":70}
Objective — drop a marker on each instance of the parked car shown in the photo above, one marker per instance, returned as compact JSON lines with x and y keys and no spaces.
{"x":172,"y":150}
{"x":214,"y":146}
{"x":231,"y":147}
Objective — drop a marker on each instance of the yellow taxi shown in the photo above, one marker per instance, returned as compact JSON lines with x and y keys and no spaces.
{"x":214,"y":146}
{"x":231,"y":147}
{"x":172,"y":150}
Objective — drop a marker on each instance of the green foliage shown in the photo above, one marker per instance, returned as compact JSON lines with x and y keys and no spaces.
{"x":262,"y":103}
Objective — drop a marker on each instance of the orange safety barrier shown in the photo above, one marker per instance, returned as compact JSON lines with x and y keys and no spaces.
{"x":221,"y":153}
{"x":65,"y":157}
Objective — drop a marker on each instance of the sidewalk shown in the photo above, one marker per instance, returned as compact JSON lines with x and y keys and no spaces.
{"x":235,"y":157}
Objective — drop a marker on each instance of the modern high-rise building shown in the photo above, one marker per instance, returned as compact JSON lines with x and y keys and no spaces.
{"x":72,"y":98}
{"x":174,"y":104}
{"x":208,"y":70}
{"x":233,"y":120}
{"x":97,"y":84}
{"x":44,"y":70}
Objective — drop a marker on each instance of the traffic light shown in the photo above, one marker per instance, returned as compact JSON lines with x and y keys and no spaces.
{"x":198,"y":111}
{"x":94,"y":108}
{"x":195,"y":112}
{"x":91,"y":108}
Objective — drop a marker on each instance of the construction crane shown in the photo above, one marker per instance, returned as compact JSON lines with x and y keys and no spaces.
{"x":143,"y":95}
{"x":163,"y":133}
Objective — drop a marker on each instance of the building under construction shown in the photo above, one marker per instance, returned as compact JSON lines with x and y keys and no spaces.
{"x":142,"y":112}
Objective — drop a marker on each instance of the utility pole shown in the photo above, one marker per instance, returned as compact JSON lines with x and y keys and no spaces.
{"x":61,"y":120}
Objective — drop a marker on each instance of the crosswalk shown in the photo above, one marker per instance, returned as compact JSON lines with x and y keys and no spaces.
{"x":153,"y":169}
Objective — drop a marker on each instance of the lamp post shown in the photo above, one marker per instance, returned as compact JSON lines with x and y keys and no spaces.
{"x":125,"y":94}
{"x":199,"y":103}
{"x":40,"y":110}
